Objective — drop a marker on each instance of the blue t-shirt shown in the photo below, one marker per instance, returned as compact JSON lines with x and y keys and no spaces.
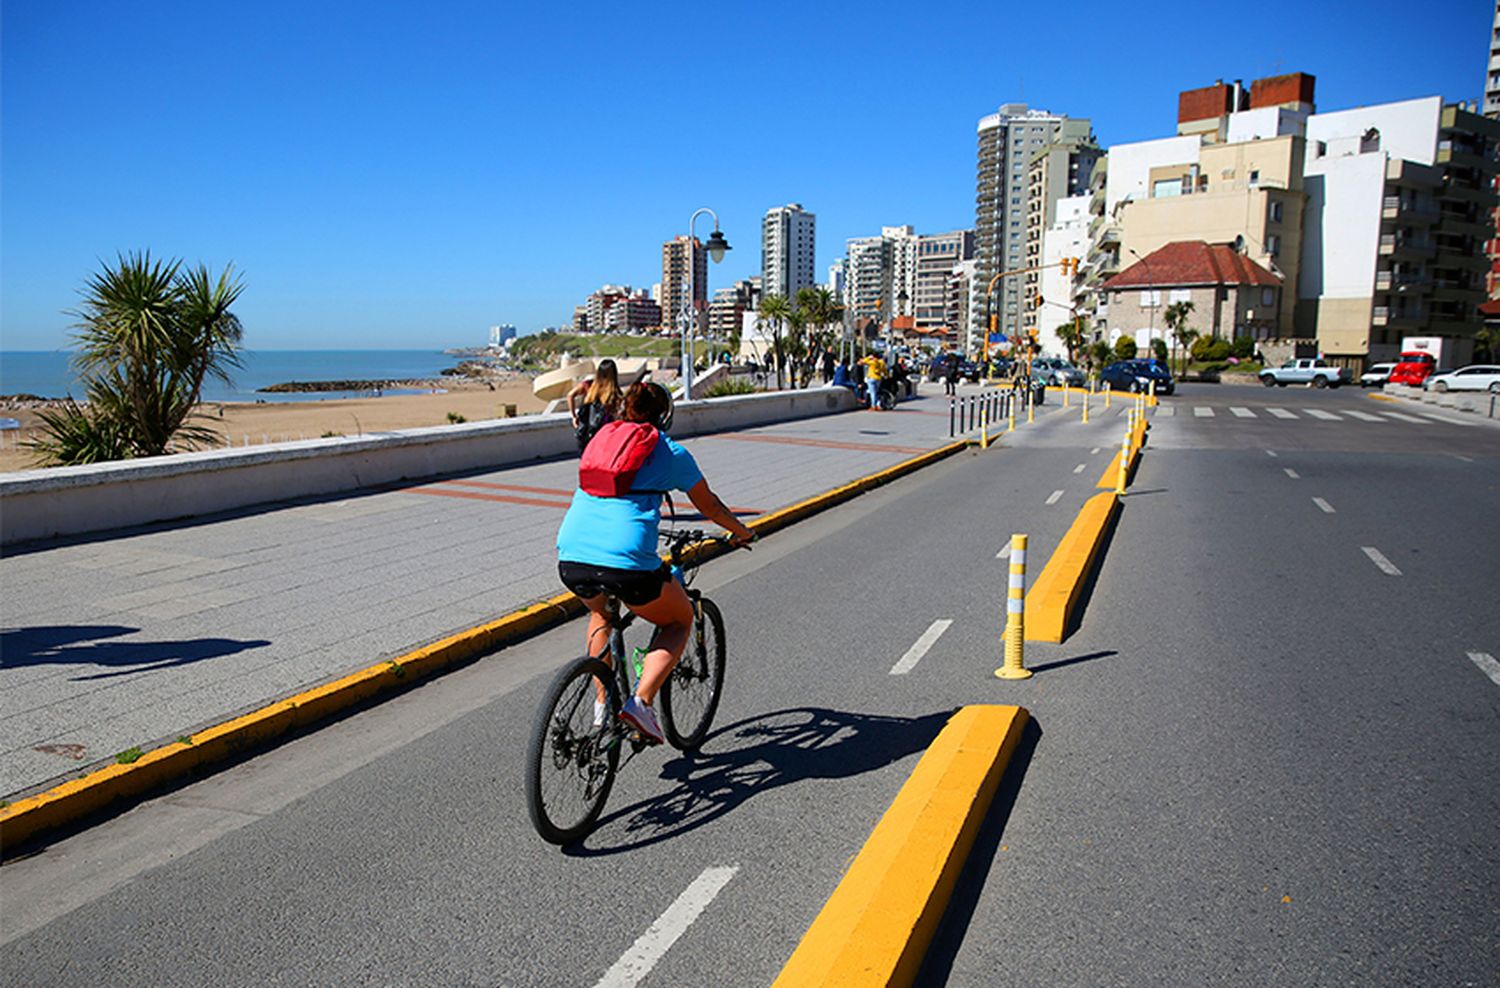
{"x":620,"y":532}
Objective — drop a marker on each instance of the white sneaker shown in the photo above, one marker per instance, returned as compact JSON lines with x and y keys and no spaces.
{"x":599,"y":707}
{"x":641,"y":717}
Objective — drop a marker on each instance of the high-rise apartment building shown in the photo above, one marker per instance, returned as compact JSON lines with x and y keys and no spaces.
{"x":617,"y":309}
{"x":867,"y":290}
{"x":1492,"y":81}
{"x":787,"y":243}
{"x":936,"y":257}
{"x":1055,"y":172}
{"x":1007,"y":140}
{"x":676,"y":255}
{"x":726,"y":313}
{"x":837,"y":280}
{"x":1400,"y":203}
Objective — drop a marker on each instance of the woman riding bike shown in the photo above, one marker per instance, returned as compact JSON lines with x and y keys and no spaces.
{"x":606,"y":546}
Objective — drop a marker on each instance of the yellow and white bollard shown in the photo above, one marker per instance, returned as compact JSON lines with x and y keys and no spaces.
{"x":1124,"y":462}
{"x":984,"y":428}
{"x":1067,"y":392}
{"x":1010,"y":407}
{"x":1085,"y":408}
{"x":1030,"y":403}
{"x":1153,"y":389}
{"x":1015,"y":614}
{"x":1107,"y":392}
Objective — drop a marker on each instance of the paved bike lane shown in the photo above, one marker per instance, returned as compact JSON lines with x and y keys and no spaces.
{"x":133,"y":638}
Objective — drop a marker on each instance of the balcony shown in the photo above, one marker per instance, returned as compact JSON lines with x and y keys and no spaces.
{"x":1413,"y":174}
{"x":1390,"y":281}
{"x":1407,"y":316}
{"x":1394,"y":245}
{"x":1409,"y":211}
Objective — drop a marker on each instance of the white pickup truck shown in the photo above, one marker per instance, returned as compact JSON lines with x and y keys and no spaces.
{"x":1305,"y":370}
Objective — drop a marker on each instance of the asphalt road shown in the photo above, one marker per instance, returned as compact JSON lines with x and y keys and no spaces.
{"x":1262,"y":759}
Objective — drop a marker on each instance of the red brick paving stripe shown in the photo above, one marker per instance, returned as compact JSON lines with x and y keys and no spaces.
{"x":824,"y":444}
{"x":507,"y":499}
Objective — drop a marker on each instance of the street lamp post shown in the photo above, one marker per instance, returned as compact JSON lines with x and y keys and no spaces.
{"x":1151,"y":282}
{"x":901,"y":300}
{"x":717,"y":245}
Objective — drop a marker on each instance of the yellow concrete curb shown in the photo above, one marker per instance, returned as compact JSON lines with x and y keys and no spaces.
{"x":1053,"y":596}
{"x":1381,"y":398}
{"x":877,"y":925}
{"x":1111,"y":475}
{"x":76,"y":798}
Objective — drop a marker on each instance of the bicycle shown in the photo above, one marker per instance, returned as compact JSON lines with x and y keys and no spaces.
{"x":574,"y":751}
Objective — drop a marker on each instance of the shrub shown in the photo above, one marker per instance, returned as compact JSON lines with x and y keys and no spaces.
{"x":1101,"y":353}
{"x":456,"y":418}
{"x":1159,"y":349}
{"x":1207,"y":348}
{"x":1125,"y":348}
{"x":729,"y":386}
{"x":1243,"y":348}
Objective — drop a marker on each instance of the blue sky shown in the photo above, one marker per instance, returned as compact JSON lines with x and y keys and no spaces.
{"x":406,"y":175}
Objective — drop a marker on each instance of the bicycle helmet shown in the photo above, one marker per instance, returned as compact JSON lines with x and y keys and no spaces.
{"x":649,"y":402}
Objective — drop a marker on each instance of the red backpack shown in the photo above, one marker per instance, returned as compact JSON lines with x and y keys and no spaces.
{"x":613,"y":457}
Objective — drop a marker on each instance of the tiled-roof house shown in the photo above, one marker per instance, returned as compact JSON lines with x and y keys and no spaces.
{"x":1231,"y":294}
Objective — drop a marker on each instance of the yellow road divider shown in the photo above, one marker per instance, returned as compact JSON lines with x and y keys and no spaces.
{"x":877,"y":925}
{"x":1056,"y":592}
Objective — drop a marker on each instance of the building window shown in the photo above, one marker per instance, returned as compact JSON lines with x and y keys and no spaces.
{"x":1179,"y":295}
{"x":1254,"y":177}
{"x":1369,"y":142}
{"x":1151,"y":298}
{"x":1273,"y":244}
{"x":1268,"y":297}
{"x":1275,"y":215}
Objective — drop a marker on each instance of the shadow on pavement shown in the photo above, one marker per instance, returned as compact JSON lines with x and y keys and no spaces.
{"x":1073,"y":661}
{"x":754,"y":756}
{"x":937,"y":967}
{"x":83,"y":645}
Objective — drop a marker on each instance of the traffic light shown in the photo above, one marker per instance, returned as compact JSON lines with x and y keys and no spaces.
{"x":1070,"y":265}
{"x":1039,"y":300}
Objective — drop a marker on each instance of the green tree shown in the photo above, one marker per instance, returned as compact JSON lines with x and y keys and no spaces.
{"x":1100,"y":354}
{"x":820,"y":311}
{"x":1487,"y":340}
{"x":1176,"y":317}
{"x":1124,"y":348}
{"x":1074,"y":335}
{"x":149,"y":334}
{"x":775,"y":311}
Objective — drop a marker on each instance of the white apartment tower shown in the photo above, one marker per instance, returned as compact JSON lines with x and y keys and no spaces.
{"x":787,"y":244}
{"x":1007,"y":140}
{"x":1492,"y":81}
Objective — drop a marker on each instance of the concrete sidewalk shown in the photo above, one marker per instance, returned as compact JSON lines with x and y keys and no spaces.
{"x":140,"y":636}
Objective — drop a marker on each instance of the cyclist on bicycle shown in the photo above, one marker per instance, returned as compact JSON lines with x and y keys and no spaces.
{"x":606,"y":547}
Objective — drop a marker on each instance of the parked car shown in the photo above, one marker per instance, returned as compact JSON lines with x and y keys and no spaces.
{"x":1376,"y":375}
{"x":1137,"y":375}
{"x":1056,"y":371}
{"x":1305,"y":370}
{"x":1475,"y":377}
{"x":967,"y":369}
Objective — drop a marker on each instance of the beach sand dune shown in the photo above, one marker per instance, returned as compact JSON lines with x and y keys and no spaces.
{"x":290,"y":420}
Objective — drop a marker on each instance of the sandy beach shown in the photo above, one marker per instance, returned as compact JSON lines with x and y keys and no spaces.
{"x":255,"y":424}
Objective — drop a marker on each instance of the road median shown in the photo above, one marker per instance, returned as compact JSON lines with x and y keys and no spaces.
{"x":876,"y":926}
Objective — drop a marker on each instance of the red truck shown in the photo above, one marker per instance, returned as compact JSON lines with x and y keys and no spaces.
{"x":1420,"y":356}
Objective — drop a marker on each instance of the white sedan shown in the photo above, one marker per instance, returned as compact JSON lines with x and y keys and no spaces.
{"x":1475,"y":377}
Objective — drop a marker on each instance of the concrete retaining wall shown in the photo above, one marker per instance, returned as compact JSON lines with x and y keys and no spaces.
{"x":38,"y":504}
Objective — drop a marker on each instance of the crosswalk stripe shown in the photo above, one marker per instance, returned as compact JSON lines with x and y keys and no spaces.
{"x":1318,"y":413}
{"x":1203,"y":411}
{"x":1281,"y":413}
{"x":1362,"y":416}
{"x":1439,"y":418}
{"x":1405,"y":418}
{"x":1243,"y":413}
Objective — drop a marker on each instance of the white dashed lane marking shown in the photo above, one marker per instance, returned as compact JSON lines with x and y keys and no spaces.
{"x":642,"y":956}
{"x":1376,"y":557}
{"x":1291,"y":473}
{"x":1271,"y":452}
{"x":1094,"y":451}
{"x":1281,"y":413}
{"x":1243,"y":413}
{"x":1487,"y":664}
{"x":1080,"y":468}
{"x":1054,"y":497}
{"x":1323,"y":505}
{"x":913,"y":655}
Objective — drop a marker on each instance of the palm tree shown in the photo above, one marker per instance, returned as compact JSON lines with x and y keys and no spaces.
{"x":149,"y":334}
{"x":1176,"y":317}
{"x":1074,"y":333}
{"x":776,"y":310}
{"x":820,"y":310}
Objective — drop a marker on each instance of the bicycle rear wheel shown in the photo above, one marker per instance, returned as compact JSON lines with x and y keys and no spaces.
{"x":690,"y":696}
{"x":573,"y":754}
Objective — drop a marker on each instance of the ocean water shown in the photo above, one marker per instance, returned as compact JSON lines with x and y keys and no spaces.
{"x":48,"y":373}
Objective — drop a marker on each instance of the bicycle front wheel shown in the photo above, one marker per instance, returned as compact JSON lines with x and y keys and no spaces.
{"x":690,"y":696}
{"x":574,"y":752}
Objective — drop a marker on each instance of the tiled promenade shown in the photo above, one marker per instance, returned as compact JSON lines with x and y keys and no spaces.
{"x":135,"y":638}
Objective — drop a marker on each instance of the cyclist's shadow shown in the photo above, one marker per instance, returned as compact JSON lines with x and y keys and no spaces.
{"x":755,"y":755}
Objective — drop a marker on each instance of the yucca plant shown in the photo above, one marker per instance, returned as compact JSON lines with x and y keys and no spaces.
{"x":149,"y":334}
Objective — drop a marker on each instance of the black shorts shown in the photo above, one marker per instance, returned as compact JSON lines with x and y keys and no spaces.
{"x":632,"y":586}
